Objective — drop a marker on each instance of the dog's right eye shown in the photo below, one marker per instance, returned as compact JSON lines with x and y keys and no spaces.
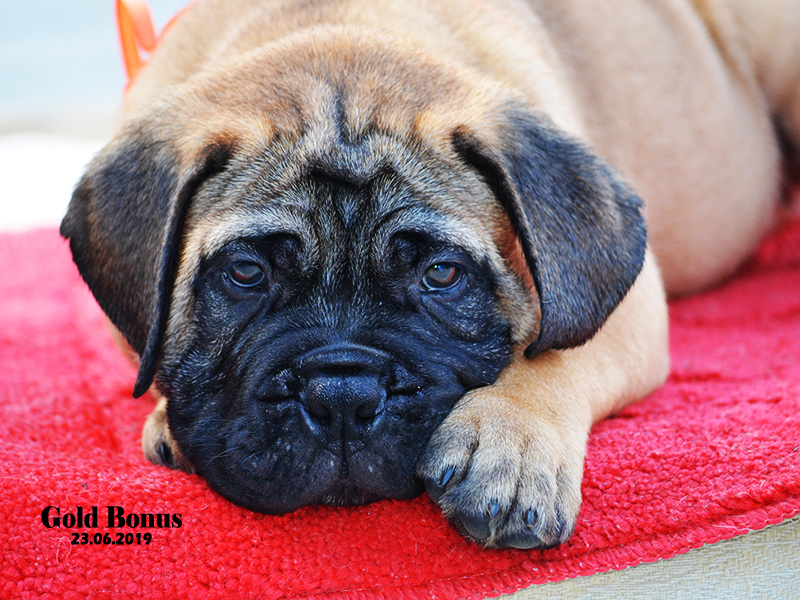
{"x":442,"y":276}
{"x":245,"y":274}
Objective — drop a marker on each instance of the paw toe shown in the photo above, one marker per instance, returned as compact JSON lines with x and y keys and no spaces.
{"x":505,"y":480}
{"x":526,"y":530}
{"x":157,"y":443}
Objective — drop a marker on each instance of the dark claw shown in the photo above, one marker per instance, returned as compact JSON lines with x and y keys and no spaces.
{"x":446,"y":476}
{"x":165,"y":454}
{"x":494,"y":509}
{"x":436,"y":489}
{"x":531,"y":517}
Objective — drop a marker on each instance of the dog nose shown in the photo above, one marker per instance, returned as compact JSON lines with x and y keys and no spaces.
{"x":356,"y":397}
{"x":343,"y":389}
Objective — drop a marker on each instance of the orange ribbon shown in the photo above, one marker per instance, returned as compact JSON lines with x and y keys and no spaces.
{"x":137,"y":35}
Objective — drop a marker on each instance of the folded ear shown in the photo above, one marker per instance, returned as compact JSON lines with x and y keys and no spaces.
{"x":124,"y":225}
{"x":579,"y":226}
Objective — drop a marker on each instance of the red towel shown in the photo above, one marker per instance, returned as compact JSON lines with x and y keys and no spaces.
{"x":713,"y":454}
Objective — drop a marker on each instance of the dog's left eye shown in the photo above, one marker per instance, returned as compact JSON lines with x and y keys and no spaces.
{"x":441,"y":276}
{"x":245,"y":274}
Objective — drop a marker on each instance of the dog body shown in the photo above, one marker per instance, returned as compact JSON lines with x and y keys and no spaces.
{"x":364,"y":246}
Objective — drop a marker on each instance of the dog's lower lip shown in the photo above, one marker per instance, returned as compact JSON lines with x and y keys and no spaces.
{"x":348,"y":493}
{"x":344,"y":492}
{"x":392,"y":393}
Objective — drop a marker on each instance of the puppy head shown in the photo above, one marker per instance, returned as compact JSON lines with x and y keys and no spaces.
{"x":315,"y":273}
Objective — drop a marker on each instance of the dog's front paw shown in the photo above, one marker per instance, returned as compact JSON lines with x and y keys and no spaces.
{"x":507,"y":473}
{"x":157,"y":443}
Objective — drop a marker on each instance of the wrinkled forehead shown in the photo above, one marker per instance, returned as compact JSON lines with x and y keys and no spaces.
{"x":328,"y":192}
{"x":314,"y":189}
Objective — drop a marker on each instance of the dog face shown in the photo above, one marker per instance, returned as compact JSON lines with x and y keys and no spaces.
{"x":334,"y":326}
{"x":315,"y":271}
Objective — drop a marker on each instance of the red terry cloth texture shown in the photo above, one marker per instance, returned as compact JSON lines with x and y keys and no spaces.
{"x":713,"y":454}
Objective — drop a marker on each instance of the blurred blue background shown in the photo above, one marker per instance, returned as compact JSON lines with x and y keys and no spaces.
{"x":60,"y":65}
{"x":61,"y":85}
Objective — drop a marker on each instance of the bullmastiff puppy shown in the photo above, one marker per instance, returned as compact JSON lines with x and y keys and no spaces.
{"x":369,"y":247}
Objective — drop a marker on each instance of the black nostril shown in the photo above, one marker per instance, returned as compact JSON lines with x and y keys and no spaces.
{"x":354,"y":397}
{"x":367,"y":411}
{"x":318,"y":398}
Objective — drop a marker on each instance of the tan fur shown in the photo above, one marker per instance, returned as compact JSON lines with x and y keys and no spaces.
{"x":677,"y":95}
{"x":606,"y":72}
